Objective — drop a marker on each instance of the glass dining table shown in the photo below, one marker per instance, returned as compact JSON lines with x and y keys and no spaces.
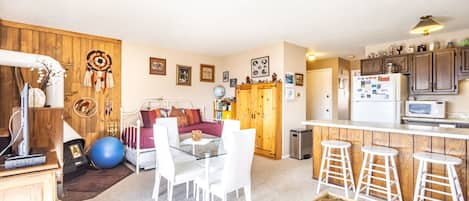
{"x":205,"y":148}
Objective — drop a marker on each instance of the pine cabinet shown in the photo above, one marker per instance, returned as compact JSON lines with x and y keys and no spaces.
{"x":259,"y":106}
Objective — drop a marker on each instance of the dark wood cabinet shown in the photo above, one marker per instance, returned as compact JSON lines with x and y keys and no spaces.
{"x":434,"y":72}
{"x":422,"y":73}
{"x":371,"y":66}
{"x":443,"y":71}
{"x":463,"y":63}
{"x":399,"y":60}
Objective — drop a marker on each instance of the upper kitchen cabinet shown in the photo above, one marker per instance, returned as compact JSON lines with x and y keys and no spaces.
{"x":463,"y":63}
{"x":371,"y":66}
{"x":401,"y":61}
{"x":434,"y":72}
{"x":422,"y":73}
{"x":444,"y":76}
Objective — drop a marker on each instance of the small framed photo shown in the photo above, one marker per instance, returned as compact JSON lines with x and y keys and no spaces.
{"x":157,"y":66}
{"x":289,"y":78}
{"x":233,"y":82}
{"x":183,"y":75}
{"x":299,"y":77}
{"x":207,"y":73}
{"x":260,"y":67}
{"x":289,"y":93}
{"x":226,"y":76}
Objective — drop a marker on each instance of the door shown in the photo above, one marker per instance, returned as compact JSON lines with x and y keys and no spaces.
{"x":265,"y":118}
{"x":319,"y":94}
{"x":243,"y":107}
{"x":371,"y":66}
{"x":422,"y":73}
{"x":443,"y":70}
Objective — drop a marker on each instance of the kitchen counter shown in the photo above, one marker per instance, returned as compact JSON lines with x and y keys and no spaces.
{"x":455,"y":133}
{"x":406,"y":139}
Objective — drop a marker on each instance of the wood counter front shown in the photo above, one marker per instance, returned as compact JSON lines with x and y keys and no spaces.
{"x":406,"y":144}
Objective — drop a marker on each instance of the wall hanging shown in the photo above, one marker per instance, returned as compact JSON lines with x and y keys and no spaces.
{"x":98,"y":70}
{"x":85,"y":107}
{"x":260,"y":67}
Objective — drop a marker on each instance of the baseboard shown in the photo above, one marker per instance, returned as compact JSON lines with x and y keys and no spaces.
{"x":286,"y":156}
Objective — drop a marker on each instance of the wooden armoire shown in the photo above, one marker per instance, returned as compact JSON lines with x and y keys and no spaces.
{"x":259,"y":106}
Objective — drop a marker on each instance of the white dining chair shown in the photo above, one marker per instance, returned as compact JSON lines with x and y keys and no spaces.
{"x":171,"y":124}
{"x":176,"y":173}
{"x":236,"y":172}
{"x":229,"y":126}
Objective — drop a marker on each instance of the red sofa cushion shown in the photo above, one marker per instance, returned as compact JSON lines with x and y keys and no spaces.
{"x":192,"y":116}
{"x":149,"y":117}
{"x":210,"y":128}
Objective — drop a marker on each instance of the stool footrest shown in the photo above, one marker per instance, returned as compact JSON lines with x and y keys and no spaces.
{"x":435,"y":182}
{"x":376,"y":171}
{"x":334,"y":159}
{"x":429,"y":198}
{"x":437,"y":191}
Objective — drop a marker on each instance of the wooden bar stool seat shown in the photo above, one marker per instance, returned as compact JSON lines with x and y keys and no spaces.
{"x":341,"y":169}
{"x":378,"y":172}
{"x":424,"y":177}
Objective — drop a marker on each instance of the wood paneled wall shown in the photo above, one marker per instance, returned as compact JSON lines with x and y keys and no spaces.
{"x":406,"y":144}
{"x":70,"y":49}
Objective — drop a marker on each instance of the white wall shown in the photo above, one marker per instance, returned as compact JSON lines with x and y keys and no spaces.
{"x":457,"y":104}
{"x":138,"y":84}
{"x":294,"y":111}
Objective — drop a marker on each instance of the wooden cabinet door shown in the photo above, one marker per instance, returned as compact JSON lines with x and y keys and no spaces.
{"x":422,"y":73}
{"x":265,"y":117}
{"x":371,"y":66}
{"x":444,"y":71}
{"x":464,"y":60}
{"x":400,"y":60}
{"x":243,"y":105}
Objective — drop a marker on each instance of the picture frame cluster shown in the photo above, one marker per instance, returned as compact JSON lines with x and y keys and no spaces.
{"x":157,"y":66}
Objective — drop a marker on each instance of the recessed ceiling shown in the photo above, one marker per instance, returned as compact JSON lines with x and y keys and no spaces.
{"x":222,"y":27}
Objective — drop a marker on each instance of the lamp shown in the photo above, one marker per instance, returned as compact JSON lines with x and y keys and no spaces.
{"x":311,"y":57}
{"x":426,"y":25}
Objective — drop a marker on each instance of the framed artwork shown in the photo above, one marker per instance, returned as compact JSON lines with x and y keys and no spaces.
{"x":183,"y":75}
{"x":157,"y":66}
{"x":289,"y":78}
{"x":299,"y":79}
{"x":233,"y":82}
{"x":289,"y":93}
{"x":260,"y":67}
{"x":207,"y":73}
{"x":226,"y":76}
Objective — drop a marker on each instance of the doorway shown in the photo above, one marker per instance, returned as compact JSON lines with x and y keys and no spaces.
{"x":319,"y":94}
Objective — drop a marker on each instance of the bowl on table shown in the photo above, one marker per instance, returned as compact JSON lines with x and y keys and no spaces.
{"x":196,"y":135}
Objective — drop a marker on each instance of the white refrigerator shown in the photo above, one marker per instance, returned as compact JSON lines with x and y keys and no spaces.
{"x":379,"y":98}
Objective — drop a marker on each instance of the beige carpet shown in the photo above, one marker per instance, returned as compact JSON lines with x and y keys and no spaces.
{"x":284,"y":180}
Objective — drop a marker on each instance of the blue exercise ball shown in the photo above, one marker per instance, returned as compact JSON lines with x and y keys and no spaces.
{"x":107,"y":152}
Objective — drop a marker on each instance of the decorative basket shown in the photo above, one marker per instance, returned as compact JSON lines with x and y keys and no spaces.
{"x":196,"y":135}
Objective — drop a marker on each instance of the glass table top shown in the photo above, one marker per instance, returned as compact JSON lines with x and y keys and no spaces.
{"x":207,"y":147}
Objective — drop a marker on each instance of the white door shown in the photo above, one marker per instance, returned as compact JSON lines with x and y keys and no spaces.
{"x":319,"y":94}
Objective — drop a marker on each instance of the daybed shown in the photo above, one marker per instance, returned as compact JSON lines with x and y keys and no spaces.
{"x":137,"y":128}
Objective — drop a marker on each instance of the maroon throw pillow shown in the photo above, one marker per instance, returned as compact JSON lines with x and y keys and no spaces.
{"x":149,"y":117}
{"x":196,"y":118}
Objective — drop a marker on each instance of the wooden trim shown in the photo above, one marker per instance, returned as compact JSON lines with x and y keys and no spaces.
{"x":56,"y":31}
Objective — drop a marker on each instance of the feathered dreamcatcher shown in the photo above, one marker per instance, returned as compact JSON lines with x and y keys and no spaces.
{"x":98,"y":71}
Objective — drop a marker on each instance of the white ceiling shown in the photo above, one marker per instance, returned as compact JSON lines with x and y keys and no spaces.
{"x":221,"y":27}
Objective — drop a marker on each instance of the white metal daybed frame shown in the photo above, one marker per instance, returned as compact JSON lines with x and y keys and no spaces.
{"x":131,"y":123}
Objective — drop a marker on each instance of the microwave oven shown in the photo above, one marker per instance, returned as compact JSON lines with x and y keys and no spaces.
{"x":426,"y":109}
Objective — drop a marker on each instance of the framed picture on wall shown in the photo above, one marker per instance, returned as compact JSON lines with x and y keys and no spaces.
{"x":260,"y":67}
{"x":157,"y":66}
{"x":183,"y":75}
{"x":299,"y":79}
{"x":207,"y":73}
{"x":233,"y":82}
{"x":289,"y":78}
{"x":226,"y":76}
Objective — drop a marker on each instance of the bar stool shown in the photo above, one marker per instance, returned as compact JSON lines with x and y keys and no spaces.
{"x":423,"y":176}
{"x":343,"y":158}
{"x":385,"y":170}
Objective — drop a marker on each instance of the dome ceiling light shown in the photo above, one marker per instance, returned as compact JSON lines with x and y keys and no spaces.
{"x":426,"y":25}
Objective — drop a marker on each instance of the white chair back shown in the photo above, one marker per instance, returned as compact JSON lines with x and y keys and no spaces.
{"x":171,"y":124}
{"x":238,"y":161}
{"x":229,"y":126}
{"x":164,"y":159}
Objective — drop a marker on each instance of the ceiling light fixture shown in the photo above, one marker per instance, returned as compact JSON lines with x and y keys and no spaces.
{"x":311,"y":57}
{"x":426,"y":25}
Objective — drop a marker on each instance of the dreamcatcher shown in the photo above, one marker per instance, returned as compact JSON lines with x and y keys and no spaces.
{"x":98,"y":70}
